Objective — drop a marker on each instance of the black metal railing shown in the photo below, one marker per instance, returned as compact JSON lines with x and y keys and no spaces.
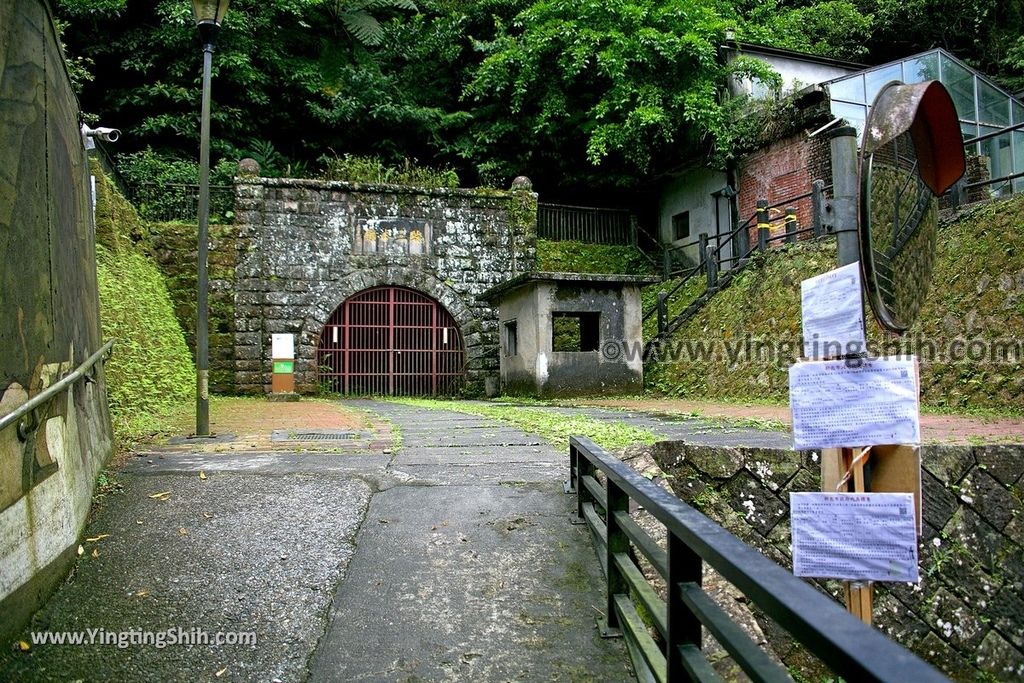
{"x":180,"y":201}
{"x":668,"y":646}
{"x":585,"y":224}
{"x":720,"y":269}
{"x":29,"y":409}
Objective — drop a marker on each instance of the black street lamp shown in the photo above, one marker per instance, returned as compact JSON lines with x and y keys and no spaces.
{"x":208,"y":15}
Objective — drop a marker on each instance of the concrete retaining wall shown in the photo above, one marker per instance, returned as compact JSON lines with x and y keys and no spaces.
{"x":49,"y":310}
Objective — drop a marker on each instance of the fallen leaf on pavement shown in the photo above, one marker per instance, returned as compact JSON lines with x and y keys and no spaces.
{"x":81,"y":551}
{"x":95,"y":553}
{"x":160,"y":496}
{"x":183,"y":531}
{"x":202,"y":475}
{"x":208,"y":515}
{"x":23,"y":646}
{"x":96,"y":538}
{"x":142,"y":594}
{"x":221,"y":672}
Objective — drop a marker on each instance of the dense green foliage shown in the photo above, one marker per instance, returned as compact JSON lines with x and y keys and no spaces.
{"x":163,"y":186}
{"x":578,"y":257}
{"x":150,"y":372}
{"x":977,"y":295}
{"x":583,"y":96}
{"x":373,"y":170}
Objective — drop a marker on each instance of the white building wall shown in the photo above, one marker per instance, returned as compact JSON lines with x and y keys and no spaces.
{"x":691,"y":192}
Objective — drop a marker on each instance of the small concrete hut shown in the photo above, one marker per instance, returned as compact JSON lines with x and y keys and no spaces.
{"x":570,"y":334}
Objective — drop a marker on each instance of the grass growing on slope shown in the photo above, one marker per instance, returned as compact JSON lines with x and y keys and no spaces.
{"x":580,"y":257}
{"x":553,"y":427}
{"x":976,"y":302}
{"x":150,"y":373}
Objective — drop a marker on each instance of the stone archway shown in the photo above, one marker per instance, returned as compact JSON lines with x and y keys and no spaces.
{"x":334,"y":294}
{"x":392,"y":341}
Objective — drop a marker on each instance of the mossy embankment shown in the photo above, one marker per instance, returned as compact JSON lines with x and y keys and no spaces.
{"x":580,"y":257}
{"x":151,"y":372}
{"x":973,"y":316}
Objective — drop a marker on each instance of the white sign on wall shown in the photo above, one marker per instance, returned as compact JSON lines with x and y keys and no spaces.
{"x":282,"y":346}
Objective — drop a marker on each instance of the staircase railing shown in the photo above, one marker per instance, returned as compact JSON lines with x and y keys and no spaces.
{"x":719,"y":270}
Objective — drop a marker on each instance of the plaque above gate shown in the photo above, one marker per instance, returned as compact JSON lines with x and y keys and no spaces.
{"x":396,"y":236}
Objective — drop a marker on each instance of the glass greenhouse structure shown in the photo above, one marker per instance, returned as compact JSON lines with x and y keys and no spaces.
{"x":982,"y":106}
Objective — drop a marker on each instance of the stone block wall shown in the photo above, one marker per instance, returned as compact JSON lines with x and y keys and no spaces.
{"x":303,"y":246}
{"x":174,"y":247}
{"x":965,"y":616}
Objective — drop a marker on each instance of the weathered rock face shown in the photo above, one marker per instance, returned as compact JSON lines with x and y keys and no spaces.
{"x":302,"y":247}
{"x":964,"y":616}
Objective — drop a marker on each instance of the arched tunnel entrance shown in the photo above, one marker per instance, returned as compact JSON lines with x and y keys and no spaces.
{"x":391,"y":341}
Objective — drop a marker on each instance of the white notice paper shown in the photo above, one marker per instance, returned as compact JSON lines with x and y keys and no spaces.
{"x":850,"y":403}
{"x":854,"y":536}
{"x":833,"y":316}
{"x":282,"y":346}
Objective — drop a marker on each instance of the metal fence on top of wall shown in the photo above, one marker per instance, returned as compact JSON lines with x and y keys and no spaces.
{"x":585,"y":224}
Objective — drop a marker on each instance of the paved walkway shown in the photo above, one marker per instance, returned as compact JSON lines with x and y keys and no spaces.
{"x":451,"y":559}
{"x":947,"y":429}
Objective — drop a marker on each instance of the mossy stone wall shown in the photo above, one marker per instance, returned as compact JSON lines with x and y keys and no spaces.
{"x":174,"y":248}
{"x":964,"y":616}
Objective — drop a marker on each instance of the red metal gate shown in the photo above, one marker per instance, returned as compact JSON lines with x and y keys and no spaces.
{"x":391,"y":341}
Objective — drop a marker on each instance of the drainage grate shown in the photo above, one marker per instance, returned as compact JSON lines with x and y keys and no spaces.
{"x":314,"y":435}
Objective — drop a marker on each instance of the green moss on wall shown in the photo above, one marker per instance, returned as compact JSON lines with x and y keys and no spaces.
{"x":579,"y":257}
{"x":151,"y":371}
{"x":174,"y":251}
{"x":977,"y":295}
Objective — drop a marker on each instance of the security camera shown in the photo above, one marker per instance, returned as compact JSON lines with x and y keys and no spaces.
{"x":104,"y":134}
{"x":107,"y":134}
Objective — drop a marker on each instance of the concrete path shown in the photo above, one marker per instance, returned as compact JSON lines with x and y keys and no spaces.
{"x":467,"y":568}
{"x":935,"y":428}
{"x":451,"y":559}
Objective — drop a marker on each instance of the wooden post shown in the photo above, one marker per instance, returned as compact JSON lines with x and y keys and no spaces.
{"x":763,"y":227}
{"x":835,"y":462}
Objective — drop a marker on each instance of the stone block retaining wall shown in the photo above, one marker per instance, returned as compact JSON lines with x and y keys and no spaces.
{"x":965,"y":616}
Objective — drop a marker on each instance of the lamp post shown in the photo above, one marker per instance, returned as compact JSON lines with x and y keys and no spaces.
{"x":208,"y":15}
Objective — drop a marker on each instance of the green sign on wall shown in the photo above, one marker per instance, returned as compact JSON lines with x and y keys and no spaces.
{"x":284,"y":367}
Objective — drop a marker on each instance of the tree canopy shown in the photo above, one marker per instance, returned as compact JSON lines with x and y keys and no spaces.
{"x":584,"y":94}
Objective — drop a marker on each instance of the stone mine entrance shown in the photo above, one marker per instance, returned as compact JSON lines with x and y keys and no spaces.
{"x":391,"y":341}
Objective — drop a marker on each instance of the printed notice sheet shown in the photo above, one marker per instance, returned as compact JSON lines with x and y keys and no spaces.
{"x":833,"y":316}
{"x":282,"y":346}
{"x":845,"y":404}
{"x":854,"y":536}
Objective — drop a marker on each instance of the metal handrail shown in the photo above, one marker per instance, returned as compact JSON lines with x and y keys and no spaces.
{"x":994,"y":134}
{"x":993,"y":181}
{"x":595,"y":209}
{"x":849,"y":647}
{"x":709,"y":262}
{"x":60,"y":386}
